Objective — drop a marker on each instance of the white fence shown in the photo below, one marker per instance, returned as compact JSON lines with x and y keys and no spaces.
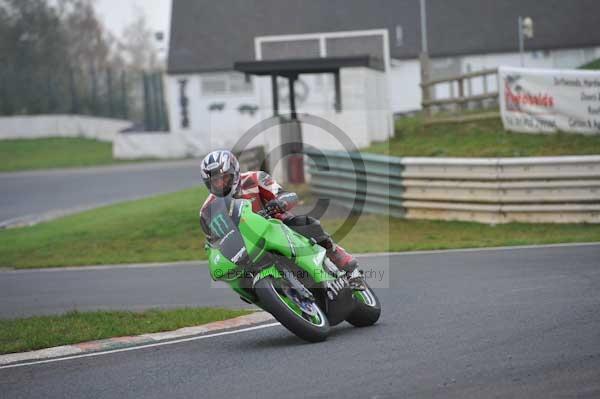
{"x":40,"y":126}
{"x":548,"y":189}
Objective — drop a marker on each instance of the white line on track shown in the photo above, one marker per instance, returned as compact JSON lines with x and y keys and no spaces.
{"x":133,"y":348}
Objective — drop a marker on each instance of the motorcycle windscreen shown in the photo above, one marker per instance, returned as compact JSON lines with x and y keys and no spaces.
{"x":223,"y":219}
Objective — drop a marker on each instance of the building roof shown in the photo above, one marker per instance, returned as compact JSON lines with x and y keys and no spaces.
{"x":209,"y":35}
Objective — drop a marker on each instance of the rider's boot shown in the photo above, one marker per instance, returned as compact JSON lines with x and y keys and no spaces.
{"x":346,"y":263}
{"x":342,"y":259}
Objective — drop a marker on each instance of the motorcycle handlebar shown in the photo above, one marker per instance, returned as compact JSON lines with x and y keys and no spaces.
{"x":264,"y":213}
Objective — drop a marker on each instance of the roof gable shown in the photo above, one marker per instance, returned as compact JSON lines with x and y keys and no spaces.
{"x":208,"y":35}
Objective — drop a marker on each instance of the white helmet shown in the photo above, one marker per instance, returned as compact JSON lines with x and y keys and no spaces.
{"x":220,"y":172}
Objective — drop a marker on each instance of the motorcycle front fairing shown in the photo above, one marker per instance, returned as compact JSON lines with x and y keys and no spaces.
{"x":242,"y":237}
{"x":246,"y":247}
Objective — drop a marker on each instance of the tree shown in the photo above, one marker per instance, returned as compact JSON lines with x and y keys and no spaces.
{"x":88,"y":42}
{"x":58,"y":58}
{"x":55,"y":58}
{"x":32,"y":46}
{"x":138,"y":44}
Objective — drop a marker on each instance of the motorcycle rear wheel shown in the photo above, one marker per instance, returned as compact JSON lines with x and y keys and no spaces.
{"x":368,"y":308}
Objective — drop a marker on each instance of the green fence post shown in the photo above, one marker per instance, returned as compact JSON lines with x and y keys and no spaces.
{"x":163,"y":111}
{"x":147,"y":116}
{"x":94,"y":96}
{"x":109,"y":92}
{"x":73,"y":90}
{"x":156,"y":104}
{"x":124,"y":98}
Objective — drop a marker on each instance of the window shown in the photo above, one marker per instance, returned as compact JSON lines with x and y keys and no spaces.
{"x":214,"y":85}
{"x":225,"y":83}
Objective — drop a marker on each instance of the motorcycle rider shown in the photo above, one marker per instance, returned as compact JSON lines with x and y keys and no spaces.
{"x":220,"y":172}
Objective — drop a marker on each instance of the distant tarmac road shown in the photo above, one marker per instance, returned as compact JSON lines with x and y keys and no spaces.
{"x":33,"y":196}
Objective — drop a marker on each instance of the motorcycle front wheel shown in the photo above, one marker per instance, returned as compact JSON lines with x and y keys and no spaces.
{"x":307,"y":321}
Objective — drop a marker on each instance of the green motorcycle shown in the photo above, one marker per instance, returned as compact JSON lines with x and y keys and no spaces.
{"x":286,"y":274}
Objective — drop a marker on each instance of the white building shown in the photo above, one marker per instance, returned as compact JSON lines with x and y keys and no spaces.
{"x":211,"y":105}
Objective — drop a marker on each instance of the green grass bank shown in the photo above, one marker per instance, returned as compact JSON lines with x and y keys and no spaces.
{"x":166,"y":228}
{"x":27,"y":334}
{"x":479,"y":139}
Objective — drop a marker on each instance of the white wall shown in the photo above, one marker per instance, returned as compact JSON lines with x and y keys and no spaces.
{"x":39,"y":126}
{"x":405,"y":89}
{"x":366,"y":115}
{"x":209,"y":129}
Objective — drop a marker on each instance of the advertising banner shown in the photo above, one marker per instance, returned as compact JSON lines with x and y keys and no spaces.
{"x":546,"y":100}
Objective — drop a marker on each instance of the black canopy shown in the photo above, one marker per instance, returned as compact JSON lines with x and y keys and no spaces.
{"x":292,"y":67}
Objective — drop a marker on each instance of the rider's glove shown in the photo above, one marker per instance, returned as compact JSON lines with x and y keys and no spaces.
{"x":276,"y":206}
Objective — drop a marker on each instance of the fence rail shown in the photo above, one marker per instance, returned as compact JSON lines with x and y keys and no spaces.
{"x":459,"y":102}
{"x":489,"y":190}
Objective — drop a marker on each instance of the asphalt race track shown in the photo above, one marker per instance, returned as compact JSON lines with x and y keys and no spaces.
{"x":28,"y":293}
{"x":502,"y":323}
{"x":42,"y":195}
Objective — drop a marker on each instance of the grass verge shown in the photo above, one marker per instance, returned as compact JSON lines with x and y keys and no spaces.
{"x":375,"y":233}
{"x":53,"y":153}
{"x":479,"y":139}
{"x":156,"y":229}
{"x":56,"y":152}
{"x":165,"y":228}
{"x":20,"y":335}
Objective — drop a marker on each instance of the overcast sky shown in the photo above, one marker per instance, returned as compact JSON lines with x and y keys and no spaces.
{"x":117,"y":14}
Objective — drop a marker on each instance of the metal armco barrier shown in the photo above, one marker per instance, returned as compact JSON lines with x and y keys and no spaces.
{"x":488,"y":190}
